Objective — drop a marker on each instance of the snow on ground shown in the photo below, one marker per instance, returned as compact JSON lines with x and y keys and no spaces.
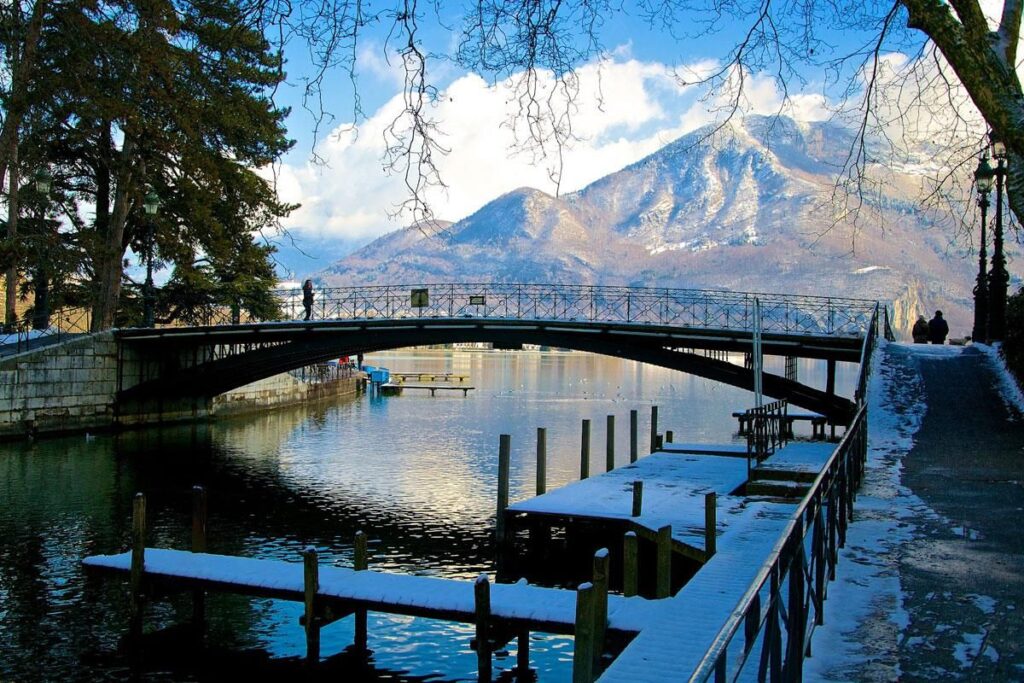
{"x":864,"y":613}
{"x":26,"y":335}
{"x":1008,"y":389}
{"x":864,"y":610}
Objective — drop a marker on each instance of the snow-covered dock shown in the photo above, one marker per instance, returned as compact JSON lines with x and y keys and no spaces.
{"x":550,"y":610}
{"x":674,"y":488}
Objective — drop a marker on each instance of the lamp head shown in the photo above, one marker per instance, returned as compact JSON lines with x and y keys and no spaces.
{"x":151,"y":203}
{"x":43,"y":181}
{"x":998,"y":148}
{"x":983,"y":176}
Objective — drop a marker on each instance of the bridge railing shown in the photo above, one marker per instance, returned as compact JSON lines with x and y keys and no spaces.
{"x":712,"y":309}
{"x":768,"y":632}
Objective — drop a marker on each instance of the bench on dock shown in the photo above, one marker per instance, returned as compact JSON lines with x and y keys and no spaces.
{"x":398,"y":387}
{"x":818,"y":423}
{"x":735,"y":450}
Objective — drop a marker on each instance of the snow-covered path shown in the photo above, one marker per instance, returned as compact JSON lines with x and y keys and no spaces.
{"x":931,"y":583}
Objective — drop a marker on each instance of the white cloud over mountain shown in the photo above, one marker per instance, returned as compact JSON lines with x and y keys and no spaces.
{"x":625,"y":109}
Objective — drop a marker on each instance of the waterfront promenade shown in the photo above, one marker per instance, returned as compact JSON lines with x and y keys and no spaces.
{"x":931,"y":585}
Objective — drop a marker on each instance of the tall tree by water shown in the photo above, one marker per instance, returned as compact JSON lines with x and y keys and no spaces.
{"x":166,"y":97}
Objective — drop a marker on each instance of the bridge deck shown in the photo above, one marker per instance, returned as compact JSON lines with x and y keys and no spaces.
{"x":552,"y":610}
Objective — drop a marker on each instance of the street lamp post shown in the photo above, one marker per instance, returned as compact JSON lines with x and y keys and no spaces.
{"x":43,"y":181}
{"x":151,"y":205}
{"x":998,"y":279}
{"x":983,"y":180}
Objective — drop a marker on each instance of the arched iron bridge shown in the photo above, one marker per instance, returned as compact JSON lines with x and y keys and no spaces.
{"x":672,"y":328}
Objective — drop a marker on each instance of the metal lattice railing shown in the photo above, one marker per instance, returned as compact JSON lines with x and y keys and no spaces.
{"x":699,"y":308}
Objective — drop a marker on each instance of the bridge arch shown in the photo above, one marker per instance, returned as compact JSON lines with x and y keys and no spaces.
{"x":192,"y":365}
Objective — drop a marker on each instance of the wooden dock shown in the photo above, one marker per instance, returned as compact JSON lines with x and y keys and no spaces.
{"x":430,"y":376}
{"x":396,"y":388}
{"x":342,"y":590}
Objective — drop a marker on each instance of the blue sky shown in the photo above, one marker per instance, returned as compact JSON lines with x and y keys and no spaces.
{"x":348,"y":199}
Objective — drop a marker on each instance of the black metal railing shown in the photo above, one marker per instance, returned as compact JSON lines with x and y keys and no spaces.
{"x":766,"y":432}
{"x":712,"y":309}
{"x":63,"y":324}
{"x":772,"y":625}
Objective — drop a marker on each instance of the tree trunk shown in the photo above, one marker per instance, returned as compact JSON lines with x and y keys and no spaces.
{"x":10,"y":303}
{"x":110,"y":246}
{"x":18,"y":101}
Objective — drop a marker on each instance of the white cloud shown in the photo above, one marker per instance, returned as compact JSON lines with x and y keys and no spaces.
{"x":624,"y":110}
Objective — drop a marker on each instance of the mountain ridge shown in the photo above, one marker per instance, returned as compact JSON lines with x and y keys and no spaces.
{"x":739,"y":208}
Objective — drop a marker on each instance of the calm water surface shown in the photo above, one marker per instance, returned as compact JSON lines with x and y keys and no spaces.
{"x":418,"y":474}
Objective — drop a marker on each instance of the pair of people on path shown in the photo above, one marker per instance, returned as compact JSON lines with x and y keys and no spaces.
{"x":934,"y":330}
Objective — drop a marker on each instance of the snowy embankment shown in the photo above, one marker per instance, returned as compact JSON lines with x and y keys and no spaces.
{"x":864,"y":612}
{"x":865,"y":617}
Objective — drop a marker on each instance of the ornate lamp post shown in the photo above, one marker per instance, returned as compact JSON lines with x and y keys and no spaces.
{"x":43,"y":181}
{"x":998,"y":279}
{"x":151,"y":205}
{"x":983,"y":180}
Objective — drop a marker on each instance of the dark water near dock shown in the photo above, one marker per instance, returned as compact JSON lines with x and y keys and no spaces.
{"x":418,"y":474}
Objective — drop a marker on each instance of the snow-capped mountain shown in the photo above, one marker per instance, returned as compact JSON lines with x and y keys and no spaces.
{"x":746,"y":208}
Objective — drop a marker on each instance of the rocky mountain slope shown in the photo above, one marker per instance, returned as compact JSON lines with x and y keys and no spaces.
{"x":747,"y":209}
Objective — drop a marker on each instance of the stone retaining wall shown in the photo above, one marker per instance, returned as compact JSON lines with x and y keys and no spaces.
{"x":68,"y":387}
{"x":277,"y":391}
{"x":73,"y":386}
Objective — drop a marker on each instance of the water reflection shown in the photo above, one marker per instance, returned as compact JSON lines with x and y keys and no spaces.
{"x":415,"y":472}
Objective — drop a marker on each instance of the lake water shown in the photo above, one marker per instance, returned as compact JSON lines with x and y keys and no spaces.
{"x":418,"y":474}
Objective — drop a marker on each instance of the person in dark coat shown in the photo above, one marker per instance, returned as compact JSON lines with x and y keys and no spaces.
{"x":937,"y":329}
{"x":920,"y":331}
{"x":307,"y":298}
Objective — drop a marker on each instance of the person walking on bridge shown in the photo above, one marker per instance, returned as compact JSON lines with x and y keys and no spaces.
{"x":307,"y":298}
{"x":937,"y":329}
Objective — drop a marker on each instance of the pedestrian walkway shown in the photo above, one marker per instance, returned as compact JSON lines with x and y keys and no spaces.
{"x":932,"y":580}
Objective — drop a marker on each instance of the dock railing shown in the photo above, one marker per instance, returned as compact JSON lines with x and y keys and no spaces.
{"x":766,"y":431}
{"x":772,"y":624}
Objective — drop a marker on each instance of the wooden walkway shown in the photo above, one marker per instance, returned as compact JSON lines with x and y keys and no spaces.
{"x":399,"y":387}
{"x":551,"y":610}
{"x":676,"y":637}
{"x":673,"y":494}
{"x":430,"y":376}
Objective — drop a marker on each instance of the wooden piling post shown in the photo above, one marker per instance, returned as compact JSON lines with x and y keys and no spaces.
{"x":630,"y":564}
{"x":199,"y":507}
{"x":668,"y":436}
{"x":583,"y":648}
{"x":654,"y":428}
{"x":361,"y":563}
{"x":600,"y":582}
{"x":710,"y":524}
{"x":523,"y":654}
{"x":633,"y":429}
{"x":311,"y":584}
{"x":585,"y":451}
{"x":638,"y":498}
{"x":504,"y":451}
{"x":138,"y":565}
{"x":663,"y":570}
{"x":542,"y":460}
{"x":482,"y":595}
{"x":609,"y":463}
